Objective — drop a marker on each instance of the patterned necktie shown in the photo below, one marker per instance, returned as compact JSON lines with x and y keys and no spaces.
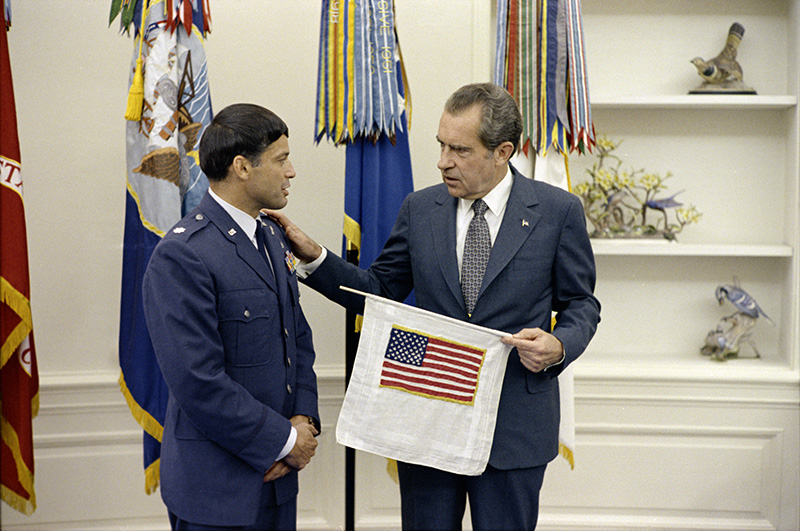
{"x":477,"y":247}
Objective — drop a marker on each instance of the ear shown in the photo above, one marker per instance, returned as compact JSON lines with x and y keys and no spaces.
{"x":240,"y":167}
{"x":503,"y":152}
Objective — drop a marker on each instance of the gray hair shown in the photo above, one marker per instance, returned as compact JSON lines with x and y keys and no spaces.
{"x":501,"y":120}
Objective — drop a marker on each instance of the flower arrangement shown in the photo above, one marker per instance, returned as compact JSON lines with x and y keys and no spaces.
{"x":624,"y":203}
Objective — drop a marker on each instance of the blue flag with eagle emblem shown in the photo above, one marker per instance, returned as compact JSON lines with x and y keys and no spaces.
{"x":164,"y":181}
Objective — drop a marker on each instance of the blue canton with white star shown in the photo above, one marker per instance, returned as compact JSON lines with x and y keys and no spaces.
{"x":406,"y":347}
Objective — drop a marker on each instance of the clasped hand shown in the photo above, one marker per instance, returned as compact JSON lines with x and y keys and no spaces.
{"x":537,"y":349}
{"x":304,"y":448}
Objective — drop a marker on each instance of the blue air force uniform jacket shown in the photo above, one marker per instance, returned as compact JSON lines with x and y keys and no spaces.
{"x":236,"y":353}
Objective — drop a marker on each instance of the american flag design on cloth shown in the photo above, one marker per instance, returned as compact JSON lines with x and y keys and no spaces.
{"x":431,"y":367}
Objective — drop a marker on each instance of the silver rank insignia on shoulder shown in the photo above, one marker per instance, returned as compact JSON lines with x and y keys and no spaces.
{"x":232,"y":232}
{"x":178,"y":230}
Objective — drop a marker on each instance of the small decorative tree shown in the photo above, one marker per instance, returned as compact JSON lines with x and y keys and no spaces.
{"x":617,"y":200}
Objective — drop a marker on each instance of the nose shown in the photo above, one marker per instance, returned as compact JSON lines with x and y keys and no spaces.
{"x":445,"y":159}
{"x":290,"y":173}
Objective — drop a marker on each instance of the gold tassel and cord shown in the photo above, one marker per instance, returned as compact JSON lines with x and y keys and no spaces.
{"x":136,"y":93}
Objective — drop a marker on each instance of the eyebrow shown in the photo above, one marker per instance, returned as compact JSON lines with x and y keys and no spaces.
{"x":453,"y":146}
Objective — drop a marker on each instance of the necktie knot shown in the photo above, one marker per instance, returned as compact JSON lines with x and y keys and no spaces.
{"x":480,"y":207}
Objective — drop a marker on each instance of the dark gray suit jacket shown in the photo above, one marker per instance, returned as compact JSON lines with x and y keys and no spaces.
{"x":541,"y":262}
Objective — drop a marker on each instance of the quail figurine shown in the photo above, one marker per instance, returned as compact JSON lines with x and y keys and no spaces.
{"x":723,"y":73}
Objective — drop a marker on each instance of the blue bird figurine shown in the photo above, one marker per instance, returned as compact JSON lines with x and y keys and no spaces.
{"x":741,"y":300}
{"x":663,"y":204}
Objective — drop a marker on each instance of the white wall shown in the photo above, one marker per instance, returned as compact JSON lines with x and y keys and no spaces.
{"x":684,"y":450}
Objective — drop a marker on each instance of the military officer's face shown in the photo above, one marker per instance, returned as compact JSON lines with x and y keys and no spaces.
{"x":269,"y":181}
{"x":468,"y":169}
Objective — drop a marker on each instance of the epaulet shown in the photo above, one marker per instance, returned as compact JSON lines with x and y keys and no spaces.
{"x":188,"y":226}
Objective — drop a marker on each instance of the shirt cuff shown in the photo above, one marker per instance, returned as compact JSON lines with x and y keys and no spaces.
{"x":305,"y":269}
{"x":559,"y":362}
{"x":289,"y":444}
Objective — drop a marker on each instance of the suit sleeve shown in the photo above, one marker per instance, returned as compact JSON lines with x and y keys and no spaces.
{"x":388,"y":276}
{"x":574,"y":277}
{"x":181,"y":313}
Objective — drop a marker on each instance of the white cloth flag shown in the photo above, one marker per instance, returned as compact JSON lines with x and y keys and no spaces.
{"x":424,"y":388}
{"x":552,"y":168}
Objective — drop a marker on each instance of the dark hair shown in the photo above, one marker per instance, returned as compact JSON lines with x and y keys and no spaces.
{"x":240,"y":129}
{"x":501,"y":120}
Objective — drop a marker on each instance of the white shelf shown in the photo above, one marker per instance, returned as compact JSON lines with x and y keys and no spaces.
{"x":667,"y":248}
{"x":697,"y":101}
{"x":677,"y":368}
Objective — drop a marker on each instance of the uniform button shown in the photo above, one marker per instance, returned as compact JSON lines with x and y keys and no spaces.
{"x":286,"y":332}
{"x":289,"y":388}
{"x":199,"y":217}
{"x":247,"y":313}
{"x":289,"y":362}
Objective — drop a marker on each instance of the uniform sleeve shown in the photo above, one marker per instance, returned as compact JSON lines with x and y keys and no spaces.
{"x":306,"y":401}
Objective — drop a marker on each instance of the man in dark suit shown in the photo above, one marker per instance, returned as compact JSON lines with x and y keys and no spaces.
{"x":540,"y":261}
{"x":222,"y":307}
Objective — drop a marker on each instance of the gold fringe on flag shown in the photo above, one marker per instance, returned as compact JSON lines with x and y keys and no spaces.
{"x":142,"y":416}
{"x":20,"y":304}
{"x":566,"y":453}
{"x":152,"y":427}
{"x":24,"y":475}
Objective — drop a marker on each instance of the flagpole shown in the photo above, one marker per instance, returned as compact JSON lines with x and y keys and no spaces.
{"x":351,"y":347}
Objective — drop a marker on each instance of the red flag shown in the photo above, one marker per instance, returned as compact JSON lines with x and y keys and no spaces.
{"x":19,"y":376}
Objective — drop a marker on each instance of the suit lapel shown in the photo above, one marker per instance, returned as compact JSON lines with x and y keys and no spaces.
{"x":244,"y":246}
{"x":518,"y":222}
{"x":444,"y":241}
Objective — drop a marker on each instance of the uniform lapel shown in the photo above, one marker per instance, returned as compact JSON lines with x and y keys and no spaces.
{"x":244,"y":246}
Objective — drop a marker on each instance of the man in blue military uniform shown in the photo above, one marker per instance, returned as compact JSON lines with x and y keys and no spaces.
{"x":222,"y":307}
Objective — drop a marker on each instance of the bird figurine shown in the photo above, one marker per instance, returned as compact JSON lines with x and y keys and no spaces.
{"x":723,"y":73}
{"x":663,"y":204}
{"x":741,"y":300}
